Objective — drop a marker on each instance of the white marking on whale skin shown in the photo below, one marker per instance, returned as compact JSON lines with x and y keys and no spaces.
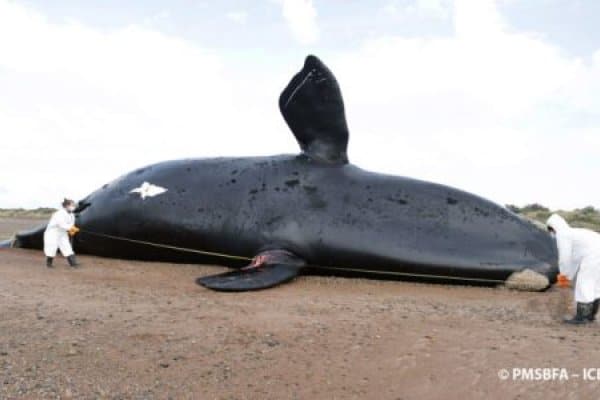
{"x":148,"y":190}
{"x":297,"y":88}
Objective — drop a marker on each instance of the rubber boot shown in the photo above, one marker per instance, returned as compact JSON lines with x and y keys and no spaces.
{"x":49,"y":262}
{"x":584,"y":313}
{"x":72,"y":261}
{"x":595,"y":306}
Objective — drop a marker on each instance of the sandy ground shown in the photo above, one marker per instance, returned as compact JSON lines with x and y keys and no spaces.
{"x":132,"y":330}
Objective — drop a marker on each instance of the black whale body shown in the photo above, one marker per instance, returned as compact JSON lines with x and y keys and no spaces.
{"x":316,"y":206}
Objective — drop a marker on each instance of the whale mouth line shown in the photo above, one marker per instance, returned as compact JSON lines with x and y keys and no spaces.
{"x":81,"y":206}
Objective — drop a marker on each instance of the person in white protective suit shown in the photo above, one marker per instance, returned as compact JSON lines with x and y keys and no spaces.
{"x":579,"y":261}
{"x":58,"y":230}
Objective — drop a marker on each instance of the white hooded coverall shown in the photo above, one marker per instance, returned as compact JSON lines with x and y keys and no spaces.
{"x":578,"y":256}
{"x":56,"y":235}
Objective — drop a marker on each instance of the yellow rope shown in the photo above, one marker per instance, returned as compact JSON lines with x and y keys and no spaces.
{"x":409,"y":274}
{"x":166,"y":246}
{"x":234,"y":257}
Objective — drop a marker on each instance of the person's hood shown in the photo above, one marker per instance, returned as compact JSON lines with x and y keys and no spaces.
{"x":557,"y":223}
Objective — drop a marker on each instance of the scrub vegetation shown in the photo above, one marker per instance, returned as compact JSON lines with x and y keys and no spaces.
{"x":587,"y":217}
{"x":41,"y":212}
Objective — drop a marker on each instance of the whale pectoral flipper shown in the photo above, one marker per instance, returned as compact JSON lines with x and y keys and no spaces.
{"x":251,"y":279}
{"x":268,"y":269}
{"x":313,"y":108}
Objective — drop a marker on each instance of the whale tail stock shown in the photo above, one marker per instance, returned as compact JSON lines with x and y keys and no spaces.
{"x":268,"y":269}
{"x":30,"y":239}
{"x":313,"y":108}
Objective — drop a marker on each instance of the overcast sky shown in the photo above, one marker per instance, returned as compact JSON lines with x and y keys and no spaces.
{"x":499,"y":98}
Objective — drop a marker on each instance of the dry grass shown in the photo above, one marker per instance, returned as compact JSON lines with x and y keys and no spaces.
{"x":587,"y":217}
{"x":41,"y":212}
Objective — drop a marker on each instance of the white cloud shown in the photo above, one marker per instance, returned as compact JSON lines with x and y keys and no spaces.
{"x":584,"y":93}
{"x":488,"y":110}
{"x":239,"y":17}
{"x":477,"y":19}
{"x":80,"y":106}
{"x":301,"y":17}
{"x":487,"y":67}
{"x":472,"y":110}
{"x":161,"y":17}
{"x":436,"y":9}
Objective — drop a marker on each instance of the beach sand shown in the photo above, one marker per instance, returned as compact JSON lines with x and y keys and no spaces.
{"x":119,"y":329}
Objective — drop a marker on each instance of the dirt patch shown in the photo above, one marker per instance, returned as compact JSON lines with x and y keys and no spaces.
{"x":121,"y":329}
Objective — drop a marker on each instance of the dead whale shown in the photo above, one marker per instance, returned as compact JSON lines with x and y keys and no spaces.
{"x":271,"y":218}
